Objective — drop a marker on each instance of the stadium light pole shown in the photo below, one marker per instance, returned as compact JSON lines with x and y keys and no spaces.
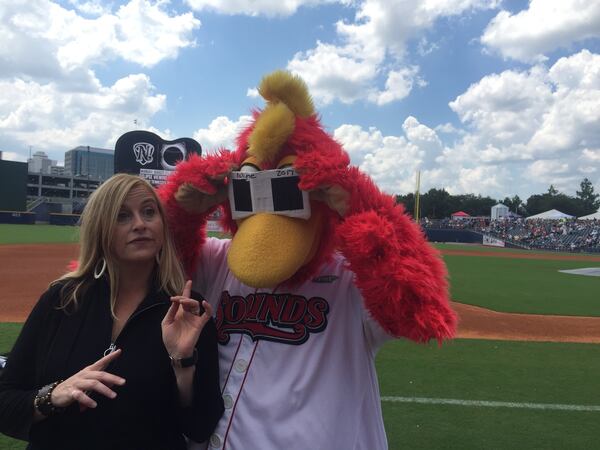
{"x":417,"y":197}
{"x":88,"y":170}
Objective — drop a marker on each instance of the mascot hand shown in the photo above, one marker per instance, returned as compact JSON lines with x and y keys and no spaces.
{"x":194,"y":200}
{"x":336,"y":197}
{"x":199,"y":183}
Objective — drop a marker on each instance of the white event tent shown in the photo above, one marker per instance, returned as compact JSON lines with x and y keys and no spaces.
{"x":593,"y":216}
{"x":552,"y":214}
{"x":498,"y":211}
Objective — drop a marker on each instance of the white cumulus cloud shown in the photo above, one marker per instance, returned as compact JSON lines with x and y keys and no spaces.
{"x":541,"y":125}
{"x":545,"y":26}
{"x":392,"y":161}
{"x":269,"y":8}
{"x":521,"y":131}
{"x":54,"y":121}
{"x":221,"y":133}
{"x":51,"y":96}
{"x":372,"y":50}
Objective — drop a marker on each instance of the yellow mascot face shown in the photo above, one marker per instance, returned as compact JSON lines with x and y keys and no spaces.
{"x":269,"y":249}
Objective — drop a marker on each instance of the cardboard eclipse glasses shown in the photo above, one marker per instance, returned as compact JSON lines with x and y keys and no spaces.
{"x":269,"y":191}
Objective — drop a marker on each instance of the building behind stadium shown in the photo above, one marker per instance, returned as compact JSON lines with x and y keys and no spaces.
{"x":43,"y":191}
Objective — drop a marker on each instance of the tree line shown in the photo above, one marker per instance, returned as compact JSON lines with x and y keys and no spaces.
{"x":439,"y":204}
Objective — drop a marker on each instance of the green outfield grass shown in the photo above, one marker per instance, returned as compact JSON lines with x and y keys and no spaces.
{"x":524,"y":285}
{"x":477,"y":248}
{"x":490,"y":248}
{"x":38,"y":234}
{"x":516,"y":372}
{"x":8,"y":335}
{"x":43,"y":234}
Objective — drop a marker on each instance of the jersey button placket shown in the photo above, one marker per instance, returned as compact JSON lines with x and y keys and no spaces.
{"x":232,"y":390}
{"x":228,"y":401}
{"x":215,"y":441}
{"x":240,"y":365}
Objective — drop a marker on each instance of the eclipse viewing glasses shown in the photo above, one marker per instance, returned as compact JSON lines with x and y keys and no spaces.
{"x":270,"y":191}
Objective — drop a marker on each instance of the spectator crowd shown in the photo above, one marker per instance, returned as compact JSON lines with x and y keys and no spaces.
{"x":559,"y":235}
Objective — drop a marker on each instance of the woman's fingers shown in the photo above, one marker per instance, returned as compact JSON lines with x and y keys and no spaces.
{"x":189,"y":305}
{"x":208,"y":310}
{"x":171,"y":313}
{"x":82,"y":398}
{"x":103,"y":362}
{"x":107,"y":378}
{"x":207,"y":314}
{"x":187,"y":289}
{"x":97,"y":386}
{"x":90,"y":378}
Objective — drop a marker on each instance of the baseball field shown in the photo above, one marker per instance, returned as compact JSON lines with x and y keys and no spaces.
{"x":522,"y":373}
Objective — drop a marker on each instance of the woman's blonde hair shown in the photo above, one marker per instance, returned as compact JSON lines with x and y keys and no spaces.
{"x":97,"y":228}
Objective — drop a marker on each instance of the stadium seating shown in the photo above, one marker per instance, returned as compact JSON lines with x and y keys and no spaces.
{"x":557,"y":235}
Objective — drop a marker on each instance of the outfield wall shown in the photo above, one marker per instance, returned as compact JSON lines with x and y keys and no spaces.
{"x":445,"y":235}
{"x":17,"y":217}
{"x":64,"y":219}
{"x":465,"y":237}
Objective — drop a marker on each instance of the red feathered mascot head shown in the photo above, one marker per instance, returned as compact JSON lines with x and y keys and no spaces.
{"x":269,"y":249}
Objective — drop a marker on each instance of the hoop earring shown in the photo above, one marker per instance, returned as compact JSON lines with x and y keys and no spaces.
{"x":96,"y":274}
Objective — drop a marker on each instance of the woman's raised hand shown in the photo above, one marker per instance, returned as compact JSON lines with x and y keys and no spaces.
{"x":184,"y":322}
{"x":90,"y":378}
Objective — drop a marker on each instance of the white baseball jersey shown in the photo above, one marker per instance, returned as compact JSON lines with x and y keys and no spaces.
{"x":297,"y":367}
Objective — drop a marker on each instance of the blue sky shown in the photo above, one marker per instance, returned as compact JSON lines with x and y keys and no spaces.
{"x":482,"y":96}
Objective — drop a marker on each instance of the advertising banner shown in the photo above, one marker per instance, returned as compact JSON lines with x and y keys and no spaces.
{"x":494,"y":242}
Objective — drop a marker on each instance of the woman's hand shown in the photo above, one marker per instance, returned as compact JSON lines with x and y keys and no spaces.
{"x":183,"y":323}
{"x":90,"y":378}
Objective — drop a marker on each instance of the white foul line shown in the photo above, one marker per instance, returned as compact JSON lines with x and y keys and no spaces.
{"x":490,"y":404}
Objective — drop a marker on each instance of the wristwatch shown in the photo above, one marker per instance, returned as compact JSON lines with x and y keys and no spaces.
{"x":43,"y":400}
{"x":185,"y":362}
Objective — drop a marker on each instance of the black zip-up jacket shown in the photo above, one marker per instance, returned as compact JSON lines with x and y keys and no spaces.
{"x":54,"y":344}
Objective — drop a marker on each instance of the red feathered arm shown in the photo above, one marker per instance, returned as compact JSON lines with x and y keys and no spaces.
{"x":401,"y":277}
{"x":187,"y":228}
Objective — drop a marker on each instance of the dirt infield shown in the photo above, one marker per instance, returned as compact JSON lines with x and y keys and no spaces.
{"x":481,"y":323}
{"x":26,"y":270}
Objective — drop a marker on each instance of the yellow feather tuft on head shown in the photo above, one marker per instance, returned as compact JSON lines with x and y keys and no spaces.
{"x":282,"y":86}
{"x":272,"y":128}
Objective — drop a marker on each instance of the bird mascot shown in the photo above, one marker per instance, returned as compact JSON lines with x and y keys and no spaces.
{"x":321,"y":269}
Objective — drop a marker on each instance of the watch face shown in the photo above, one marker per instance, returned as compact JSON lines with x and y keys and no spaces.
{"x":185,"y":362}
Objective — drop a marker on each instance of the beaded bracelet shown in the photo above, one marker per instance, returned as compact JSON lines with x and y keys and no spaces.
{"x":43,"y":400}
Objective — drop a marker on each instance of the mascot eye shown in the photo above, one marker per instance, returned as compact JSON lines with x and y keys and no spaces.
{"x":249,"y":168}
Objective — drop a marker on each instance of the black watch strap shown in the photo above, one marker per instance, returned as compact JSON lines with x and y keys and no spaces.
{"x":185,"y":362}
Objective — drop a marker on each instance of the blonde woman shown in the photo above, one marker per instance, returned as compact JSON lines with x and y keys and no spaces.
{"x":116,"y":354}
